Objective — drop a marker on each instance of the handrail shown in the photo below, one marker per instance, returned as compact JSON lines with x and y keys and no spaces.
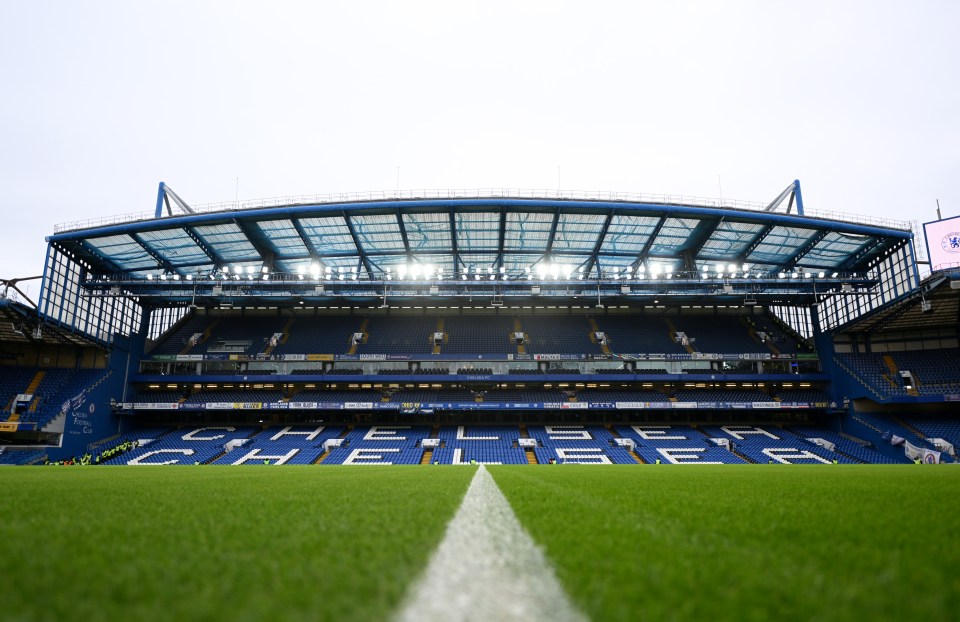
{"x":479,"y":193}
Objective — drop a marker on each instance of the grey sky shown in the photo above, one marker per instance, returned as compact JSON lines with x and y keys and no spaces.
{"x":101,"y":101}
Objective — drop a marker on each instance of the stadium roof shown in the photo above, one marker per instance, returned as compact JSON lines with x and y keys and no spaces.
{"x":494,"y":234}
{"x":477,"y":248}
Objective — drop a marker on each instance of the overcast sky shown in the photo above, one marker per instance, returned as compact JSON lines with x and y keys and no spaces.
{"x":101,"y":101}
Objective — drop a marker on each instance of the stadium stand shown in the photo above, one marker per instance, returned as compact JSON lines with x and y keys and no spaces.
{"x":188,"y":446}
{"x":580,"y":347}
{"x":676,"y":444}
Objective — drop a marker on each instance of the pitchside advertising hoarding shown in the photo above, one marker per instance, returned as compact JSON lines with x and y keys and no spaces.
{"x":943,"y":243}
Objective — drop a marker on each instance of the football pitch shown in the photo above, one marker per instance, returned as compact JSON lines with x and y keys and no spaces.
{"x":724,"y":542}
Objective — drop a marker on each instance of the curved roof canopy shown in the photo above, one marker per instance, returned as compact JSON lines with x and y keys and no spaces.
{"x":447,"y":238}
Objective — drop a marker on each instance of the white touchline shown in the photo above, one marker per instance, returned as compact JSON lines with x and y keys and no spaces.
{"x":487,"y":568}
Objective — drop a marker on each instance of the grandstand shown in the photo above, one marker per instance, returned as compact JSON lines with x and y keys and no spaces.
{"x":294,"y":332}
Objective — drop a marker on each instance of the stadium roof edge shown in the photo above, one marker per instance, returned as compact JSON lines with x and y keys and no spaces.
{"x":387,"y":206}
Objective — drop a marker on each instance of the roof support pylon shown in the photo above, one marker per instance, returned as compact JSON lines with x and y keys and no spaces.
{"x":164,"y":195}
{"x":793,"y":193}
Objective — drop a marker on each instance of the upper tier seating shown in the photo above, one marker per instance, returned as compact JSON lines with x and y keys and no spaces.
{"x":777,"y":337}
{"x":557,"y":334}
{"x":319,"y":335}
{"x":718,"y":334}
{"x":252,"y":332}
{"x":638,"y":333}
{"x":176,"y":341}
{"x":479,"y":334}
{"x":400,"y":335}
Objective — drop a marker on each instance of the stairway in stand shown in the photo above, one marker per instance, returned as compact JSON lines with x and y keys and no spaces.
{"x":343,"y":434}
{"x":531,"y":456}
{"x":613,"y":432}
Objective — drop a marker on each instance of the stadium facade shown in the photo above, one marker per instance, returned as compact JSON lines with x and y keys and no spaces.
{"x":494,"y":326}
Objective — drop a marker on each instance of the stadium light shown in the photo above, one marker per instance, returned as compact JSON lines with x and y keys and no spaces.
{"x":264,"y":270}
{"x":163,"y":277}
{"x":176,"y":277}
{"x":402,"y":271}
{"x":820,"y":275}
{"x":149,"y":277}
{"x":782,"y":275}
{"x":835,"y":275}
{"x":226,"y":269}
{"x":249,"y":269}
{"x":189,"y":277}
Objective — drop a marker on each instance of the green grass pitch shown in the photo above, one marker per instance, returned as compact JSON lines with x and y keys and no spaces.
{"x":754,"y":542}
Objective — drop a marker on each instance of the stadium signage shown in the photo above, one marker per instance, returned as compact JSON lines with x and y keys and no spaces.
{"x":754,"y":356}
{"x":766,"y":404}
{"x":424,"y":408}
{"x":155,"y":406}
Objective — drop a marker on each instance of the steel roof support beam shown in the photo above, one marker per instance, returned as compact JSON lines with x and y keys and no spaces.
{"x":305,"y":238}
{"x":162,"y":261}
{"x":362,"y":256}
{"x":214,"y":256}
{"x":553,"y":231}
{"x":595,"y":254}
{"x":801,"y":252}
{"x":649,"y":243}
{"x":258,"y":240}
{"x":403,"y":232}
{"x":453,"y":241}
{"x":700,"y":235}
{"x":755,"y":242}
{"x":501,"y":237}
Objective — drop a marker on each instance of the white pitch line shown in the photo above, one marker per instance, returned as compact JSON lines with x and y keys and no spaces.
{"x":487,"y":568}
